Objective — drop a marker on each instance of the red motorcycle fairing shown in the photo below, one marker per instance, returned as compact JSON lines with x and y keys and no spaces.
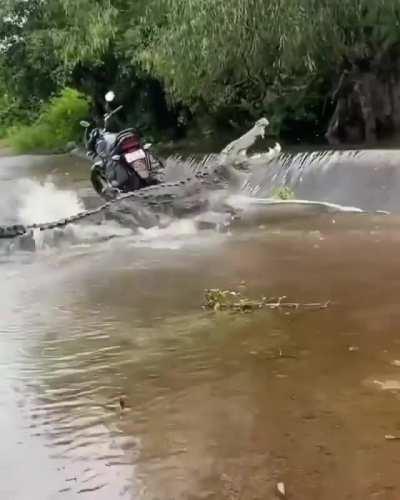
{"x":128,"y":141}
{"x":128,"y":145}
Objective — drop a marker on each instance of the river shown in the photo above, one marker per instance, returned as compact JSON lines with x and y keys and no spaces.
{"x":116,"y":384}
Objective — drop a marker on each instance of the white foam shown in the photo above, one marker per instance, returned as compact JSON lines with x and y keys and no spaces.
{"x":246,"y":201}
{"x":170,"y":237}
{"x":79,"y":235}
{"x":43,"y":202}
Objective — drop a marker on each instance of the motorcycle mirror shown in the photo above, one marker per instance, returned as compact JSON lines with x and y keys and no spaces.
{"x":110,"y":96}
{"x":84,"y":124}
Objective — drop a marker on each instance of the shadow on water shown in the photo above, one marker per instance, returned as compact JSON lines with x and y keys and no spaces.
{"x":115,"y":384}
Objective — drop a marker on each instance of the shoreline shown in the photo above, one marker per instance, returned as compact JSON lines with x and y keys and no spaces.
{"x":5,"y":149}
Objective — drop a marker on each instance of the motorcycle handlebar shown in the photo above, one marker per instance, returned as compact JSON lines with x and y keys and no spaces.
{"x":109,"y":115}
{"x":106,"y":118}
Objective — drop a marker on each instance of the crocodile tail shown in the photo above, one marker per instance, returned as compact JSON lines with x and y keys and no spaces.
{"x":7,"y":232}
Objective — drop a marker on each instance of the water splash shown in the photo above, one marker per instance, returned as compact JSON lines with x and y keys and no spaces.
{"x":79,"y":235}
{"x":33,"y":202}
{"x":38,"y":202}
{"x":171,"y":237}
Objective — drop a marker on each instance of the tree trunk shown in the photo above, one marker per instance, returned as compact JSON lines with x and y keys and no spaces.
{"x":367,"y":102}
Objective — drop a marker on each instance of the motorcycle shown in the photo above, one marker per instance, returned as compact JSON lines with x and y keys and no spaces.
{"x":122,"y":163}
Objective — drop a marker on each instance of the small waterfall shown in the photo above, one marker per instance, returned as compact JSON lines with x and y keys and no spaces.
{"x":369,"y":179}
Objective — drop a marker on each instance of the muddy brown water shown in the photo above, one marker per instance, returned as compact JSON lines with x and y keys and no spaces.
{"x":215,"y":406}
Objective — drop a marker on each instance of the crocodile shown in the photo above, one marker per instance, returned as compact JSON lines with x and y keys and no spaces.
{"x":205,"y":185}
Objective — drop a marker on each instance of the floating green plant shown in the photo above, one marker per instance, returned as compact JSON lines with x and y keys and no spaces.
{"x":230,"y":300}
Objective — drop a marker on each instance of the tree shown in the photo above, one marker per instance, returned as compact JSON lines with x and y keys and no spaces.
{"x":234,"y":61}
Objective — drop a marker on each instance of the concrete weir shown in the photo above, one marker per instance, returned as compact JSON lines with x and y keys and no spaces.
{"x":368,"y":179}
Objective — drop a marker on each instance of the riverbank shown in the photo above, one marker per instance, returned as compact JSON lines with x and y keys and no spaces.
{"x":5,"y":148}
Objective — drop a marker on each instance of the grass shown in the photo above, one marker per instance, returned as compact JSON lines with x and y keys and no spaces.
{"x":57,"y":125}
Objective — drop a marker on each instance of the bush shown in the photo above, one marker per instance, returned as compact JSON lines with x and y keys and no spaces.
{"x":13,"y":112}
{"x":57,"y":125}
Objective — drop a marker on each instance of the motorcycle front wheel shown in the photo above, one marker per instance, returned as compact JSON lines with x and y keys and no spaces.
{"x":99,"y":182}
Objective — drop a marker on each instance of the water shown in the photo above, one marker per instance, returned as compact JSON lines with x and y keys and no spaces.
{"x":214,"y":406}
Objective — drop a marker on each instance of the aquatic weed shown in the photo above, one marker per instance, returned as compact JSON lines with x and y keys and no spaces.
{"x":283,"y":193}
{"x":230,"y":300}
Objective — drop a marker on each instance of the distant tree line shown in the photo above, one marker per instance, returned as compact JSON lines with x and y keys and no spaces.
{"x":311,"y":66}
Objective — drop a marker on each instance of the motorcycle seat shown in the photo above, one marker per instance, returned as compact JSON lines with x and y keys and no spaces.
{"x":127,"y":140}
